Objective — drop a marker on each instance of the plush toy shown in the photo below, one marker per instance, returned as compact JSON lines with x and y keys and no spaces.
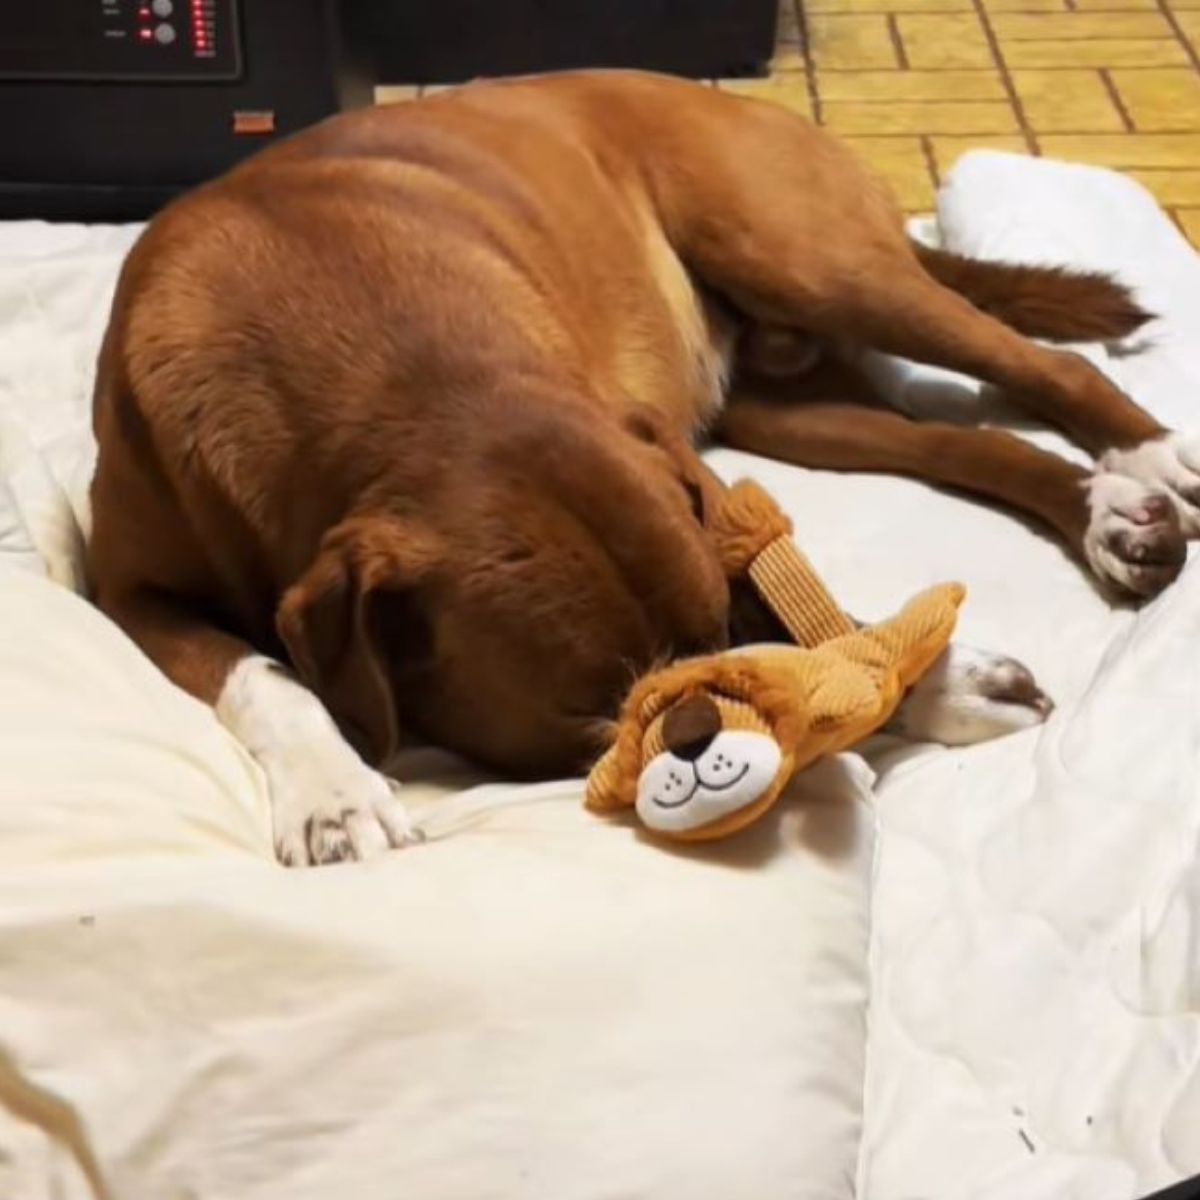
{"x":706,"y":745}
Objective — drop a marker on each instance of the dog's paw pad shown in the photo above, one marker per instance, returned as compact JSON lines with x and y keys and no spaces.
{"x":1134,"y":540}
{"x":1169,"y":465}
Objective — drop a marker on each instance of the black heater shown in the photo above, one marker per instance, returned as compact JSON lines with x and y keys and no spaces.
{"x":450,"y":41}
{"x":108,"y":108}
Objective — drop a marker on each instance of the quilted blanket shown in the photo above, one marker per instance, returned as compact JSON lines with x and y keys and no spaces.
{"x":940,"y":973}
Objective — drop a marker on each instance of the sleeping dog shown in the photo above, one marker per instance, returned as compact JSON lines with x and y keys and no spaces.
{"x":409,"y":403}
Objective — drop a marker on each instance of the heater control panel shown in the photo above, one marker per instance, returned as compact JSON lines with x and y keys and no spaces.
{"x":102,"y":40}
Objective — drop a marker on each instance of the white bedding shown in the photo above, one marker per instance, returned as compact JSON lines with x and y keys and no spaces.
{"x":537,"y":1004}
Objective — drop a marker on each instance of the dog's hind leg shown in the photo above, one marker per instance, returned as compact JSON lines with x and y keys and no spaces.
{"x":792,"y":230}
{"x":1127,"y":535}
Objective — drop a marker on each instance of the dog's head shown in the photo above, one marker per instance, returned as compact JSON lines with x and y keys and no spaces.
{"x":505,"y":613}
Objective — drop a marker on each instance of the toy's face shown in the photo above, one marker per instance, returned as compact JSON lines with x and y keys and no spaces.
{"x":707,"y":761}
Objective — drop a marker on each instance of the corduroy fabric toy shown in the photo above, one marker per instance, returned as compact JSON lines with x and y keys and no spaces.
{"x":706,"y":745}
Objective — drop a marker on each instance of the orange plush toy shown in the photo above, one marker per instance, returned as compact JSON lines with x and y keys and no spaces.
{"x":705,"y":746}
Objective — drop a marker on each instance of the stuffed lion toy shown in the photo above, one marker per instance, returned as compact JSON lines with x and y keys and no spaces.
{"x":706,"y":745}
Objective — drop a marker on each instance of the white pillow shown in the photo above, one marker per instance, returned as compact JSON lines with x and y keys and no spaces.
{"x":535,"y":1005}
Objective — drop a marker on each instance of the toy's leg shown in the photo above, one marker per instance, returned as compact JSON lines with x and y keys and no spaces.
{"x":1128,"y":535}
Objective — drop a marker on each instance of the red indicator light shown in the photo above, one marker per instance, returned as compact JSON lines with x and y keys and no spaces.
{"x":144,"y":14}
{"x":145,"y":34}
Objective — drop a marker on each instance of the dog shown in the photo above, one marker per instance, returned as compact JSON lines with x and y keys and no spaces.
{"x":397,"y":422}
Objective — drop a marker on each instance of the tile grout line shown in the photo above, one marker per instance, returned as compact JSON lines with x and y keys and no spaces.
{"x":1169,"y":16}
{"x":1006,"y":78}
{"x":810,"y":68}
{"x":897,"y":41}
{"x":931,"y":166}
{"x":1117,"y":102}
{"x":1173,"y":213}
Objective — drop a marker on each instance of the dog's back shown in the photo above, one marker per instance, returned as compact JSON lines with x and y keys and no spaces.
{"x":361,"y":321}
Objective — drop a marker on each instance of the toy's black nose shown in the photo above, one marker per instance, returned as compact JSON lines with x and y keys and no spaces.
{"x":689,"y":727}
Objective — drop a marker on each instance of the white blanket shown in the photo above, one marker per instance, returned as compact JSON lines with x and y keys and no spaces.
{"x":1035,"y":970}
{"x":538,"y":1004}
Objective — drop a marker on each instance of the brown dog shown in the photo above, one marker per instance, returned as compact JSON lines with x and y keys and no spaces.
{"x":409,"y":401}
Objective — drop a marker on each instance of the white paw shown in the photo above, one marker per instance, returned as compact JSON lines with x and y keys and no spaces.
{"x":970,"y":696}
{"x":1133,"y":539}
{"x":326,"y":803}
{"x":326,"y":807}
{"x":1170,"y":465}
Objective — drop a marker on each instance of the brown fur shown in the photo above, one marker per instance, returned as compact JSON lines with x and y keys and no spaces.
{"x":744,"y":525}
{"x":1042,"y":302}
{"x":411,"y":398}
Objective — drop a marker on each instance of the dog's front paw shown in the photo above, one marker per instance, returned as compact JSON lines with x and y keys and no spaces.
{"x":326,"y":803}
{"x":1170,"y":465}
{"x":1134,"y":540}
{"x":327,"y":806}
{"x":970,"y":696}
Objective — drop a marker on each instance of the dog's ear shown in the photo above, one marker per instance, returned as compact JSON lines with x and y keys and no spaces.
{"x":325,"y":620}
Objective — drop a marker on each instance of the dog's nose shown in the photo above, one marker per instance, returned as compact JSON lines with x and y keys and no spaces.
{"x":689,"y":727}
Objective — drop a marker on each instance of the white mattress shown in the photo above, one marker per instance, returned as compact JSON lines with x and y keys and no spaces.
{"x":959,"y":973}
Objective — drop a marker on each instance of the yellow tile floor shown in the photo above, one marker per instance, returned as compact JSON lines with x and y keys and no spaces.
{"x":914,"y":83}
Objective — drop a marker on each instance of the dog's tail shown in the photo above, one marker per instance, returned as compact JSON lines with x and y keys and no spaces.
{"x":1042,"y":302}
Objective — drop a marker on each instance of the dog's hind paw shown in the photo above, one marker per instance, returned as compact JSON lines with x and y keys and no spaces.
{"x":1134,"y":541}
{"x":970,"y":696}
{"x":1169,"y":465}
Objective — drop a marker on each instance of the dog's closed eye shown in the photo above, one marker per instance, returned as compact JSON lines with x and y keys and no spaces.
{"x":695,"y":499}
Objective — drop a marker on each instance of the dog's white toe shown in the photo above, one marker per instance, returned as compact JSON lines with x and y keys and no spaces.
{"x":1170,"y":465}
{"x":327,"y":805}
